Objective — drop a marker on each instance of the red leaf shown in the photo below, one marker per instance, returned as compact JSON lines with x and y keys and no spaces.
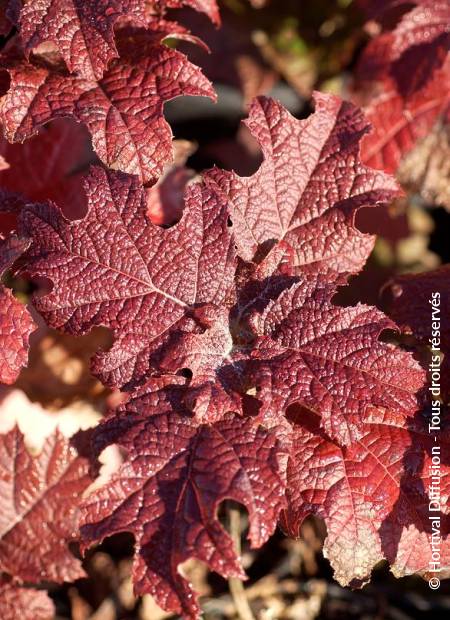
{"x":311,"y":183}
{"x":40,"y":496}
{"x":329,"y":359}
{"x":404,"y":78}
{"x":24,"y":603}
{"x":168,"y":493}
{"x":144,"y":281}
{"x":16,"y":324}
{"x":178,"y":301}
{"x":83,"y":30}
{"x":415,"y":48}
{"x":398,"y":124}
{"x":123,"y":111}
{"x":372,"y":495}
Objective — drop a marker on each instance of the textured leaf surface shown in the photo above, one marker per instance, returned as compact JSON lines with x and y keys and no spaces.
{"x":210,"y":345}
{"x":329,"y":359}
{"x":24,"y":603}
{"x":40,"y":496}
{"x":372,"y":495}
{"x":83,"y":30}
{"x":144,"y":281}
{"x":311,"y":183}
{"x":168,"y":493}
{"x":16,"y":323}
{"x":123,"y":111}
{"x":398,"y":124}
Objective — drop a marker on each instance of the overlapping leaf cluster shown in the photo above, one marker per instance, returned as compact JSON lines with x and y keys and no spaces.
{"x":105,"y":66}
{"x":244,"y":380}
{"x":221,"y":323}
{"x":403,"y":78}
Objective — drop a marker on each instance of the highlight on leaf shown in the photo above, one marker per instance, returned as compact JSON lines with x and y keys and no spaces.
{"x":214,"y":348}
{"x":231,"y":366}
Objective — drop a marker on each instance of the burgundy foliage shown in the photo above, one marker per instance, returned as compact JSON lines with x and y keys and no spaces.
{"x":16,"y":323}
{"x":33,"y":604}
{"x":49,"y":166}
{"x":372,"y":495}
{"x":242,"y":378}
{"x":40,"y":514}
{"x":171,"y":483}
{"x":145,"y":282}
{"x":85,"y":38}
{"x":121,"y":103}
{"x":40,"y":508}
{"x":259,"y":327}
{"x":404,"y":78}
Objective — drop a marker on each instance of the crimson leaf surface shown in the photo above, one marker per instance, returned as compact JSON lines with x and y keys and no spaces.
{"x":40,"y":497}
{"x":16,"y":323}
{"x":221,"y":323}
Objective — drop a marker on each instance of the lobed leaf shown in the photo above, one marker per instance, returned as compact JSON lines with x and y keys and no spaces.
{"x":308,"y":188}
{"x":123,"y":111}
{"x":144,"y":282}
{"x":169,"y":491}
{"x":329,"y":359}
{"x":373,"y":495}
{"x":214,"y":349}
{"x":40,"y":508}
{"x":83,"y":30}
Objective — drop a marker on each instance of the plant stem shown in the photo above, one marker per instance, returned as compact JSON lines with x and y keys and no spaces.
{"x":235,"y":585}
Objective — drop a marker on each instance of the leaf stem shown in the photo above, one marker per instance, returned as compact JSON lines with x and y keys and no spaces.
{"x":235,"y":585}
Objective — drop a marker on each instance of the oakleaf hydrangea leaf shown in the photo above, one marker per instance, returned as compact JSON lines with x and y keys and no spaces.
{"x":169,"y":491}
{"x":215,"y":349}
{"x":83,"y":30}
{"x":373,"y":495}
{"x":311,"y":351}
{"x":123,"y":111}
{"x":311,"y":180}
{"x":40,"y":496}
{"x":117,"y":269}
